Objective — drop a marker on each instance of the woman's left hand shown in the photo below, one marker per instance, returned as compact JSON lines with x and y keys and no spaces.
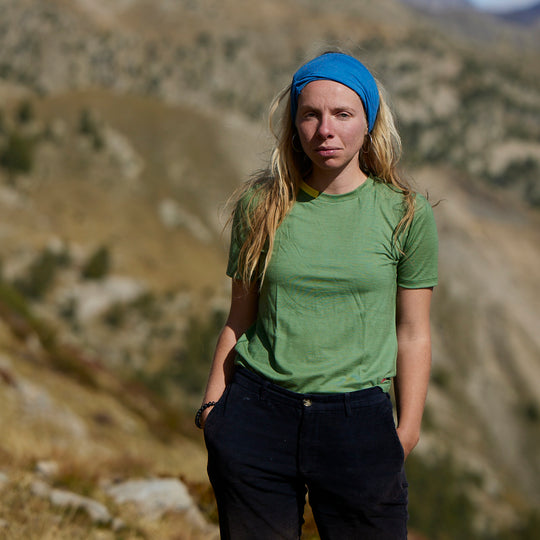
{"x":408,"y":440}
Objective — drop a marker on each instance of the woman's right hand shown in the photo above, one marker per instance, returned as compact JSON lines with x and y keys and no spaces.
{"x":204,"y":416}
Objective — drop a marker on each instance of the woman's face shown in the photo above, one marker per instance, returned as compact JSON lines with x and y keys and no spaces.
{"x":331,"y":125}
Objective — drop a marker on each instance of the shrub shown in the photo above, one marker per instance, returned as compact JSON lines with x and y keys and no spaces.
{"x":441,"y":377}
{"x":531,"y":412}
{"x":529,"y":529}
{"x":41,"y":274}
{"x":518,"y":169}
{"x":147,"y":306}
{"x":16,"y":311}
{"x":115,"y":315}
{"x":12,"y":300}
{"x":532,"y":191}
{"x":439,"y":506}
{"x":68,"y":312}
{"x":98,"y":265}
{"x":89,"y":126}
{"x":17,"y":155}
{"x":25,"y":112}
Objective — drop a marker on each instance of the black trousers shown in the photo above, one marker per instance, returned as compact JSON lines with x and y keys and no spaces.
{"x":268,"y":446}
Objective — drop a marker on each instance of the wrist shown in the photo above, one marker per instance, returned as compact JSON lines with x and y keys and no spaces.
{"x":199,"y":414}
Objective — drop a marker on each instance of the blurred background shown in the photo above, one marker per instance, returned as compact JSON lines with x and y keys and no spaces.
{"x":124,"y":127}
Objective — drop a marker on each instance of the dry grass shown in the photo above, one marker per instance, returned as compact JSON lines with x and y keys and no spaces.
{"x":93,"y":438}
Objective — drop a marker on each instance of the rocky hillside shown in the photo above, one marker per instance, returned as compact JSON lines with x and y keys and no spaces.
{"x":124,"y":127}
{"x":447,"y":81}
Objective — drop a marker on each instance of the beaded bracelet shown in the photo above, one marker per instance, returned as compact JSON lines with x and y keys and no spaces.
{"x":201,"y":410}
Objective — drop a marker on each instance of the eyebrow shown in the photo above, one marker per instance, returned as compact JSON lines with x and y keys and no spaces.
{"x":336,"y":108}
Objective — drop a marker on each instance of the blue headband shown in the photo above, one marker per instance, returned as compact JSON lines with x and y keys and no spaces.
{"x":343,"y":69}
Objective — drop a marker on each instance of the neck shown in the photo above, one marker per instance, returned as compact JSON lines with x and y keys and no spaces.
{"x":336,"y":183}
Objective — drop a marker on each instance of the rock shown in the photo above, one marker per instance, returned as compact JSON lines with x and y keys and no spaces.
{"x":3,"y":480}
{"x":173,"y":216}
{"x":38,"y":403}
{"x":97,"y":511}
{"x":92,"y":299}
{"x":120,"y":149}
{"x":47,"y":469}
{"x":66,"y":499}
{"x":40,"y":489}
{"x":154,"y":496}
{"x":117,"y":524}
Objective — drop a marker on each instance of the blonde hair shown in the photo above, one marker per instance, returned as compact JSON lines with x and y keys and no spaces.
{"x":273,"y":192}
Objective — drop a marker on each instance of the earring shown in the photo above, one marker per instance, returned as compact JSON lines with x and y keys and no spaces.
{"x":297,"y":150}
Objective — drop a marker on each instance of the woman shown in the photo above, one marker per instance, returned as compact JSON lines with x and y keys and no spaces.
{"x":333,"y":259}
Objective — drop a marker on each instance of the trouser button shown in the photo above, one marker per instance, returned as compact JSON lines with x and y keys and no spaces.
{"x":307,"y":402}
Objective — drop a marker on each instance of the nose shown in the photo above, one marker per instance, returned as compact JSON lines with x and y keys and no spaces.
{"x":325,"y":129}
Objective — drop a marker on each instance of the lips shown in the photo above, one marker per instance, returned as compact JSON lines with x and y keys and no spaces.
{"x":327,"y":151}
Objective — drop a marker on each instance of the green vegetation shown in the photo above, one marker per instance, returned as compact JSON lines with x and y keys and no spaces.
{"x":115,"y":315}
{"x":17,"y":154}
{"x":25,"y":112}
{"x":41,"y":274}
{"x":438,"y":503}
{"x":441,"y":377}
{"x":145,"y":305}
{"x":521,"y":172}
{"x":531,"y":412}
{"x":13,"y":303}
{"x":527,"y":530}
{"x":98,"y":264}
{"x":90,"y":127}
{"x":440,"y":506}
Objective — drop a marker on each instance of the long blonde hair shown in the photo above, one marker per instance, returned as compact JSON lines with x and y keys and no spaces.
{"x":272,"y":192}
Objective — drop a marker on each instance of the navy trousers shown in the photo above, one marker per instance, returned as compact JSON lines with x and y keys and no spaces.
{"x":268,"y":447}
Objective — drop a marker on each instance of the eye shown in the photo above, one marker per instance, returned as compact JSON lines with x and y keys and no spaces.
{"x":343,"y":114}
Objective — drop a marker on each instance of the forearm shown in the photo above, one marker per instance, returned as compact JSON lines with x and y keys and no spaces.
{"x":222,"y":365}
{"x":413,"y":362}
{"x":410,"y":385}
{"x":242,"y":315}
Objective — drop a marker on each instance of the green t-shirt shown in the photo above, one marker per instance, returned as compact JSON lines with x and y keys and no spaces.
{"x":327,"y":306}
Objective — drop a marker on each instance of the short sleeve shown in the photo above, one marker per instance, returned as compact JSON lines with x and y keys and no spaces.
{"x":418,"y":265}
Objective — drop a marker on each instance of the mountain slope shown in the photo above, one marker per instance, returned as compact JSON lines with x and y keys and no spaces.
{"x":144,"y":116}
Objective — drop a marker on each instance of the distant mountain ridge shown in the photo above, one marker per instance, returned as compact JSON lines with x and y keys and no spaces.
{"x":440,"y":5}
{"x":527,"y":16}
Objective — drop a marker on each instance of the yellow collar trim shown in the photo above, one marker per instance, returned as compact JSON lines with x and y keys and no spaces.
{"x":309,"y":190}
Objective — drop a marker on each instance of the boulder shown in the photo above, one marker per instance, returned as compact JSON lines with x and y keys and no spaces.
{"x":97,"y":512}
{"x":153,"y":496}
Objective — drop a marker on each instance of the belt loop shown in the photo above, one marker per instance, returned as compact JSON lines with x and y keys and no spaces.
{"x":347,"y":403}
